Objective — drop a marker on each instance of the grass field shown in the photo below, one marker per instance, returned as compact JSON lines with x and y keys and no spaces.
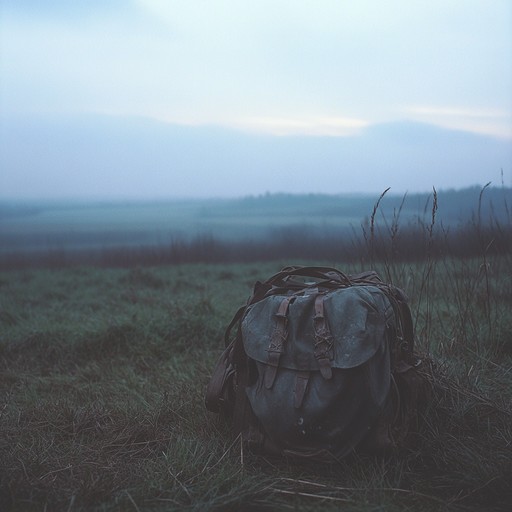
{"x":103,"y":373}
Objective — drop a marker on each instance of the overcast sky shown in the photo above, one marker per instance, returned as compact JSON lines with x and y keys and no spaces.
{"x":272,"y":67}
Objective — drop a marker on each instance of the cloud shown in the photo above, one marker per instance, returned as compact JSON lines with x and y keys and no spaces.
{"x":495,"y":122}
{"x":274,"y":66}
{"x":320,"y":126}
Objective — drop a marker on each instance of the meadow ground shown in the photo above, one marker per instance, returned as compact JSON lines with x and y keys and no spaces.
{"x":102,"y":378}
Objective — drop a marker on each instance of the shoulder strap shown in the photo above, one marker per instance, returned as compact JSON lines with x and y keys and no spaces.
{"x":235,"y":320}
{"x":216,"y":388}
{"x":405,"y":326}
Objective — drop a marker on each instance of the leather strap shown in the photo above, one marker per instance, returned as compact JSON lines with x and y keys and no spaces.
{"x":277,"y":340}
{"x":301,"y":384}
{"x":323,"y":339}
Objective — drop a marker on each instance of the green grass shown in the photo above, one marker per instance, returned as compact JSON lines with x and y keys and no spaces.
{"x":102,"y":377}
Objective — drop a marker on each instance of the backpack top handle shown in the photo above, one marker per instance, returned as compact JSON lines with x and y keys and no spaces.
{"x":317,"y":274}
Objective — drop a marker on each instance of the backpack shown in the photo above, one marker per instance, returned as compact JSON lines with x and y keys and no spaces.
{"x":321,"y":364}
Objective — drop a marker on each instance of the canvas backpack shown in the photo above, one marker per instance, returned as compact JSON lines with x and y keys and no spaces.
{"x":318,"y":364}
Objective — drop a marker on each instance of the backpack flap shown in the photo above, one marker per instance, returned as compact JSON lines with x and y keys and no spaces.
{"x":357,"y":318}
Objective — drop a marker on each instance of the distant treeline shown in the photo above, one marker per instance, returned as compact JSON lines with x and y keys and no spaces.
{"x":455,"y":205}
{"x":462,"y":223}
